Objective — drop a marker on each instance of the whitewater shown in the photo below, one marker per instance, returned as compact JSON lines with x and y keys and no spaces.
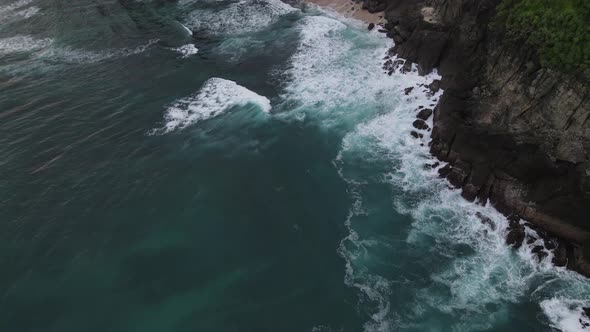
{"x":241,"y":166}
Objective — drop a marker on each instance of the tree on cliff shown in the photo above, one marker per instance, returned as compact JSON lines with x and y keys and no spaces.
{"x":558,"y":29}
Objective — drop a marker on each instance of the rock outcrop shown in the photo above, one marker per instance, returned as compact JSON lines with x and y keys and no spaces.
{"x":513,"y":132}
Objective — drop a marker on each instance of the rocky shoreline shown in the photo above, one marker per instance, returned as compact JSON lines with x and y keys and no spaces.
{"x":513,"y":133}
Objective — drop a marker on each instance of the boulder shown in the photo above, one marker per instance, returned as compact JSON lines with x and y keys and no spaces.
{"x":540,"y":252}
{"x":420,"y":124}
{"x":515,"y":235}
{"x":416,"y":134}
{"x":408,"y":90}
{"x":371,"y":26}
{"x":434,"y":86}
{"x":424,"y":114}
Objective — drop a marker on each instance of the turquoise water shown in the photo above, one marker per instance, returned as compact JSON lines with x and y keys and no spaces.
{"x":255,"y":175}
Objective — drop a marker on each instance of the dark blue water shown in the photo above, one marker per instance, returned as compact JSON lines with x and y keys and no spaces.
{"x":236,"y":166}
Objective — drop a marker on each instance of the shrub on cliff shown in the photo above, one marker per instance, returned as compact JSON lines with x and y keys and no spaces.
{"x":558,"y":29}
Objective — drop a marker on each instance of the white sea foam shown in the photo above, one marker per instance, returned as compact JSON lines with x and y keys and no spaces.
{"x":18,"y":10}
{"x":187,"y":50}
{"x":22,"y":44}
{"x":239,"y":17}
{"x":567,"y":315}
{"x":69,"y":54}
{"x":216,"y":96}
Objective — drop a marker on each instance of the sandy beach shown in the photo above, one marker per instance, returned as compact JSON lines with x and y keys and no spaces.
{"x":350,"y":8}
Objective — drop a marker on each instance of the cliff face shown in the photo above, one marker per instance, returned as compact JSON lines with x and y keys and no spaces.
{"x":513,"y":133}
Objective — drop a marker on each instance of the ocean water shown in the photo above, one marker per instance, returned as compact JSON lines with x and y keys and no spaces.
{"x":237,"y":166}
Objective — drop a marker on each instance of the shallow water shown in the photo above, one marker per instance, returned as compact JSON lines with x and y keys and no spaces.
{"x":255,"y":175}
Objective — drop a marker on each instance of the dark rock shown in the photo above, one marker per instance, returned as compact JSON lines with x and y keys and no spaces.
{"x":540,"y":252}
{"x":382,"y":30}
{"x":407,"y":67}
{"x":416,"y":134}
{"x":420,"y":124}
{"x":515,"y":235}
{"x":459,"y":173}
{"x":434,"y":86}
{"x":530,"y":240}
{"x":560,"y":255}
{"x":408,"y":90}
{"x":371,"y":26}
{"x":424,"y":114}
{"x":443,"y":172}
{"x":586,"y":311}
{"x":469,"y":192}
{"x":374,"y":6}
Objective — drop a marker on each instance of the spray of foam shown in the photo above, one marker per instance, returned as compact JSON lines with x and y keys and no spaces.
{"x":567,"y":315}
{"x":333,"y":78}
{"x":22,"y":44}
{"x":17,"y":10}
{"x":215,"y":96}
{"x":187,"y":50}
{"x":239,"y":17}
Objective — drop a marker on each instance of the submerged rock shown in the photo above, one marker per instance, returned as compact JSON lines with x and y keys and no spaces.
{"x":486,"y":221}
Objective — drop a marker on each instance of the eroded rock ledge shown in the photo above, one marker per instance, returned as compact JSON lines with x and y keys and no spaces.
{"x":513,"y":133}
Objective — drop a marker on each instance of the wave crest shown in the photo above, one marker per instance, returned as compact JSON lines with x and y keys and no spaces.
{"x":215,"y":96}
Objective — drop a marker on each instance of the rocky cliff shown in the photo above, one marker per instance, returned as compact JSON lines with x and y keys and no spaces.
{"x":512,"y":132}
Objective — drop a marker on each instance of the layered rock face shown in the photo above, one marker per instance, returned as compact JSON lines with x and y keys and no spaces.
{"x":513,"y":133}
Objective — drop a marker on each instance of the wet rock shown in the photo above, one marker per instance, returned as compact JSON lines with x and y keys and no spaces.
{"x":424,"y":114}
{"x":443,"y":172}
{"x":420,"y":124}
{"x":586,"y":311}
{"x":388,"y":64}
{"x":469,"y":192}
{"x":374,"y":6}
{"x":459,"y":173}
{"x":407,"y":67}
{"x":408,"y":90}
{"x":515,"y":235}
{"x":560,"y":255}
{"x":397,"y":39}
{"x":540,"y":252}
{"x":371,"y":26}
{"x":382,"y":30}
{"x":486,"y":221}
{"x":434,"y":86}
{"x":416,"y":134}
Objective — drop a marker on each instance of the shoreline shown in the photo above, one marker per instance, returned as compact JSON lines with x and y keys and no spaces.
{"x":485,"y":159}
{"x":351,"y":9}
{"x":570,"y":241}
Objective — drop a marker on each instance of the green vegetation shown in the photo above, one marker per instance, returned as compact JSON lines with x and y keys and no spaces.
{"x":558,"y":29}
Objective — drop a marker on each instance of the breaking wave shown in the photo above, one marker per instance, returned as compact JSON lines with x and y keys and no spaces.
{"x":216,"y":96}
{"x":239,"y":17}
